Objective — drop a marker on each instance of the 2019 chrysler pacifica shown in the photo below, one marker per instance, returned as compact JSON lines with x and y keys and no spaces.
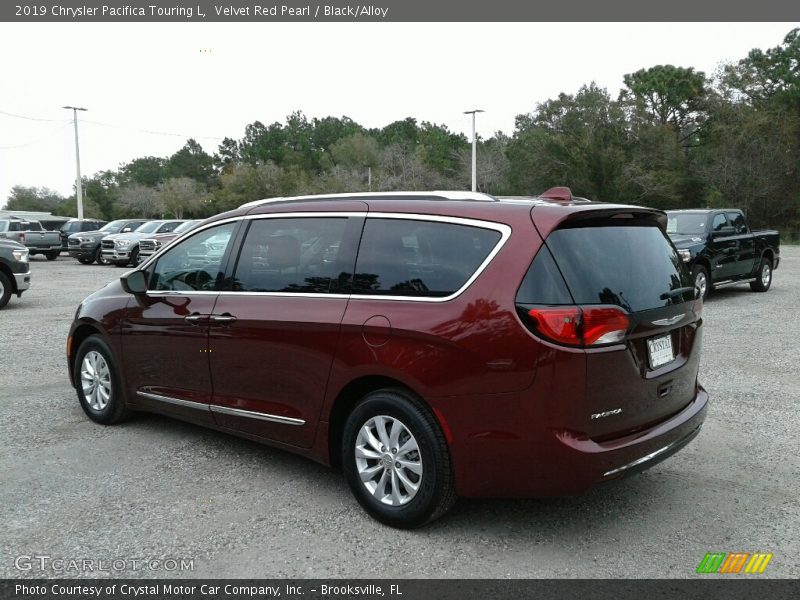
{"x":430,"y":344}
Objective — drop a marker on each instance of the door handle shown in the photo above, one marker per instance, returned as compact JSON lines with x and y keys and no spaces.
{"x":224,"y":319}
{"x":196,"y":318}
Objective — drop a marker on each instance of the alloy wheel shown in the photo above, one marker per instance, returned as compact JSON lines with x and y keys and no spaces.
{"x":388,"y":460}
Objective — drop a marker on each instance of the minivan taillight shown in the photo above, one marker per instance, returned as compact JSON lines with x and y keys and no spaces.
{"x":580,"y":326}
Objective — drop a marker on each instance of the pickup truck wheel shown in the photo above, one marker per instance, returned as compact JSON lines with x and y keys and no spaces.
{"x":701,"y":280}
{"x":5,"y":289}
{"x":764,"y":276}
{"x":85,"y":260}
{"x":135,"y":257}
{"x":396,"y":460}
{"x":98,"y":382}
{"x":98,"y":257}
{"x":51,"y":255}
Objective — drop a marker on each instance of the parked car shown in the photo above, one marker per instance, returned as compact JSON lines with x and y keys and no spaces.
{"x":719,"y":248}
{"x":15,"y":273}
{"x":78,"y":226}
{"x":122,"y":249}
{"x":430,"y":344}
{"x":85,"y":246}
{"x":33,"y":236}
{"x":151,"y":245}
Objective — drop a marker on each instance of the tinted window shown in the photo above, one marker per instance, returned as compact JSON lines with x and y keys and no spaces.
{"x":631,"y":266}
{"x":404,"y":257}
{"x":737,"y":220}
{"x":195,"y":263}
{"x":168,"y":227}
{"x":719,"y":222}
{"x":295,"y":255}
{"x":543,"y":283}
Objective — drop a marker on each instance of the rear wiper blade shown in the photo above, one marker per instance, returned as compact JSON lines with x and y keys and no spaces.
{"x":677,"y":292}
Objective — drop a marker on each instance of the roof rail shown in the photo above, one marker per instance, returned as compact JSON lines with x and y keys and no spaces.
{"x":434,"y":195}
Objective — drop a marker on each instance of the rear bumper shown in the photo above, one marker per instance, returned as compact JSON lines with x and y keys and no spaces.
{"x":44,"y":249}
{"x":545,"y":462}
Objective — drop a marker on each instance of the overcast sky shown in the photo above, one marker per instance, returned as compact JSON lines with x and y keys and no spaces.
{"x":209,"y":80}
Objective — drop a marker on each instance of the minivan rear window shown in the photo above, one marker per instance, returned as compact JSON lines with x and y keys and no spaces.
{"x":632,"y":266}
{"x":410,"y":257}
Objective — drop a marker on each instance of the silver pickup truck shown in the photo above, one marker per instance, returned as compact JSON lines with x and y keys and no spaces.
{"x":31,"y":234}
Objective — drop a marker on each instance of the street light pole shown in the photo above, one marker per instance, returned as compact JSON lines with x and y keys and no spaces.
{"x":78,"y":183}
{"x":474,"y":149}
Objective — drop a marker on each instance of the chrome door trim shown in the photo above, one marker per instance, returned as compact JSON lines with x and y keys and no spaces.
{"x":171,"y":400}
{"x":238,"y":412}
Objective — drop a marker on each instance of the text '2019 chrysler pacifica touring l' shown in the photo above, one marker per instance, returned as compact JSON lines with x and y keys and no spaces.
{"x":431,"y":345}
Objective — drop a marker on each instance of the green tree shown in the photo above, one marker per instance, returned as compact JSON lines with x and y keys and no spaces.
{"x":182,"y":196}
{"x":191,"y":161}
{"x":33,"y":199}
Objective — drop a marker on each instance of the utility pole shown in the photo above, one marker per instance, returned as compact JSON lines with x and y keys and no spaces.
{"x":474,"y":149}
{"x":78,"y":183}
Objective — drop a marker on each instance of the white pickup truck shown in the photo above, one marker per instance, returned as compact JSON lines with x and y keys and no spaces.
{"x":31,"y":234}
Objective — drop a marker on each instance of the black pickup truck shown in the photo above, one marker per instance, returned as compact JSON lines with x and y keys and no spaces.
{"x":719,"y":248}
{"x":15,"y":272}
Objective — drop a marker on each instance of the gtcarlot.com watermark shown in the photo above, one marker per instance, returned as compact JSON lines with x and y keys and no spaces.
{"x":39,"y":563}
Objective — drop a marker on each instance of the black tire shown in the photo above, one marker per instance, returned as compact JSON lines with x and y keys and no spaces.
{"x":98,"y":257}
{"x":114,"y":410}
{"x":436,"y":490}
{"x":5,"y":289}
{"x":51,"y":255}
{"x":135,"y":257}
{"x":763,"y":276}
{"x":85,"y":260}
{"x":702,"y":280}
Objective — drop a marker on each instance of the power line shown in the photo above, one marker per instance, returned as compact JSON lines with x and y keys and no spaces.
{"x":16,"y":116}
{"x":42,"y":139}
{"x":150,"y":131}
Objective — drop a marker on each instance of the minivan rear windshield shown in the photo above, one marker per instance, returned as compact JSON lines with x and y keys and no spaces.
{"x":632,"y":266}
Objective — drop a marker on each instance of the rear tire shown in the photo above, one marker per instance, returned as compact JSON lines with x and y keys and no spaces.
{"x":763,"y":276}
{"x":85,"y":260}
{"x":51,"y":255}
{"x":396,"y":461}
{"x":98,"y":382}
{"x":701,"y":280}
{"x":5,"y":289}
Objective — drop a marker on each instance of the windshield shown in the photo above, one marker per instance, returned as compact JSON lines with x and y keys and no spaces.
{"x":183,"y":227}
{"x":686,"y":224}
{"x":150,"y":227}
{"x":113,"y":227}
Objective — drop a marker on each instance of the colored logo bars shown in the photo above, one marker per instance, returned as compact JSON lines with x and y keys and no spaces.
{"x":734,"y":562}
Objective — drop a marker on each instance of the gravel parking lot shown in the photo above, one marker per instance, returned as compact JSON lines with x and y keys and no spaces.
{"x":155,"y":488}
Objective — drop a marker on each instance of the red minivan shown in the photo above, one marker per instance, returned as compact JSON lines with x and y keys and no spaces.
{"x":431,"y":345}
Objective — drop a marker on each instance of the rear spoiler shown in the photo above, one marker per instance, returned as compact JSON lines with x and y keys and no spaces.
{"x":548,"y":217}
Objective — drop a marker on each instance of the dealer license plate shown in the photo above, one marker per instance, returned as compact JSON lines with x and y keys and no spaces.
{"x":659,"y":351}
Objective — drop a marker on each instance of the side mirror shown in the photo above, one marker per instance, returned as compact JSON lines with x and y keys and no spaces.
{"x":134,"y":282}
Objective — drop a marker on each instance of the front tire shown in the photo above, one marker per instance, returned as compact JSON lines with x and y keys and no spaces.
{"x":85,"y":260}
{"x":5,"y":289}
{"x":98,"y":257}
{"x":396,"y":461}
{"x":98,"y":382}
{"x":135,"y":257}
{"x":701,"y":280}
{"x":764,"y":276}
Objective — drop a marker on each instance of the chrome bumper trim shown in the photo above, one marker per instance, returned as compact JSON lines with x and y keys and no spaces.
{"x":652,"y":455}
{"x":22,"y":285}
